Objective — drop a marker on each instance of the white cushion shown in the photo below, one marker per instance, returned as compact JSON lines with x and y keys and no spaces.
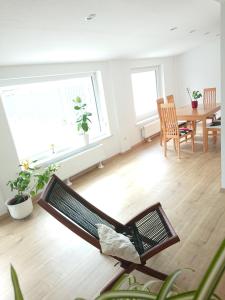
{"x":117,"y":244}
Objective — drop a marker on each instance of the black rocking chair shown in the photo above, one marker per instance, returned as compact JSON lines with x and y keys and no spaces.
{"x":150,"y":231}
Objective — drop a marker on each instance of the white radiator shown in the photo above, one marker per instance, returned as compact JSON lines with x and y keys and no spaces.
{"x":150,"y":129}
{"x":80,"y":161}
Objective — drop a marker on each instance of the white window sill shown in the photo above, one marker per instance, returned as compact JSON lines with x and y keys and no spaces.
{"x":57,"y":157}
{"x":146,"y":121}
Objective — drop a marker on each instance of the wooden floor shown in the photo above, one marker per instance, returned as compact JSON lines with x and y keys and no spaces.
{"x":55,"y":264}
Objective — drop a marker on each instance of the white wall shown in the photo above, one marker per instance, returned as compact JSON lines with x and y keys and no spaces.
{"x":2,"y":206}
{"x":198,"y":69}
{"x":8,"y":159}
{"x":119,"y":102}
{"x":223,"y":92}
{"x":129,"y":132}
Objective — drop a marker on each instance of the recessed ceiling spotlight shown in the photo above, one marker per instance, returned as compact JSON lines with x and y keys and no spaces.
{"x":192,"y":31}
{"x":173,"y":28}
{"x":207,"y":33}
{"x":90,"y":17}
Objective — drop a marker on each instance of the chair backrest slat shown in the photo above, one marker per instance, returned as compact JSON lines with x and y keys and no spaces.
{"x":159,"y":102}
{"x":169,"y":120}
{"x":209,"y":97}
{"x":170,"y":99}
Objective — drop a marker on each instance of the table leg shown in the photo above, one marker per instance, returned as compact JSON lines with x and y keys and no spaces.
{"x":204,"y":134}
{"x":194,"y":126}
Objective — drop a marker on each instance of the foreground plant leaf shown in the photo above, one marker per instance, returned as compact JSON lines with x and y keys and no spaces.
{"x":167,"y":285}
{"x":16,"y":285}
{"x":212,"y":275}
{"x":191,"y":296}
{"x":134,"y":295}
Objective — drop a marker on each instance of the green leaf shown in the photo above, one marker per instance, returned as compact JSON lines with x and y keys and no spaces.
{"x":190,"y":296}
{"x":120,"y":282}
{"x":212,"y":275}
{"x":134,"y":295}
{"x":78,"y":99}
{"x":167,"y":285}
{"x":32,"y":193}
{"x":16,"y":285}
{"x":85,"y":127}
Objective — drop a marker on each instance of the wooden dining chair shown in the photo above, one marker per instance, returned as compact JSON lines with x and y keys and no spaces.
{"x":170,"y":99}
{"x":213,"y":129}
{"x":171,"y":130}
{"x":159,"y":102}
{"x":209,"y":100}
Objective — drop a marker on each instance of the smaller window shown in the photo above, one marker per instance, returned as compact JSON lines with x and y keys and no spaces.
{"x":145,"y":92}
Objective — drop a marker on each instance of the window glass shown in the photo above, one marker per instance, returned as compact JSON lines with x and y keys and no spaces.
{"x":145,"y":93}
{"x":42,"y":119}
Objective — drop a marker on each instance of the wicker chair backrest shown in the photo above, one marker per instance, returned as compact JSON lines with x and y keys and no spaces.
{"x":72,"y":206}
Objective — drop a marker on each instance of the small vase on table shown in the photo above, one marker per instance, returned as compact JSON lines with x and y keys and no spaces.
{"x":194,"y":104}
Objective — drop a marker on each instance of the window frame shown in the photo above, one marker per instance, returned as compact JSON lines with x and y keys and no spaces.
{"x":99,"y":99}
{"x":158,"y":76}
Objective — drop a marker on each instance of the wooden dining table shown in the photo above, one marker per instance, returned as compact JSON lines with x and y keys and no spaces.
{"x":201,"y":113}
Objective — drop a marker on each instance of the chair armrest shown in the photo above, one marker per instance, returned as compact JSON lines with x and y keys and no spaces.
{"x":140,"y":220}
{"x":156,"y":249}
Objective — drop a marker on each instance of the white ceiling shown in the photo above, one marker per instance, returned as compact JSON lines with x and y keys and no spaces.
{"x":49,"y":31}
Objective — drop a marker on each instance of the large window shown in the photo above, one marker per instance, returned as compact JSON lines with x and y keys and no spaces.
{"x":42,"y":119}
{"x":145,"y":84}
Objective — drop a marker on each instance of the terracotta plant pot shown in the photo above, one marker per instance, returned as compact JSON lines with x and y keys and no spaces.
{"x":194,"y":103}
{"x":20,"y":210}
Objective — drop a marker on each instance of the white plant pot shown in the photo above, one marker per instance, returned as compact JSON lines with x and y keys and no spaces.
{"x":21,"y":210}
{"x":86,"y":139}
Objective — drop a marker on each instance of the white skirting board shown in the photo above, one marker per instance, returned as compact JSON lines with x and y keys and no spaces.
{"x":80,"y":161}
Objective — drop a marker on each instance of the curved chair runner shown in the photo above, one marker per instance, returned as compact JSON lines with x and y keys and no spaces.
{"x":150,"y":231}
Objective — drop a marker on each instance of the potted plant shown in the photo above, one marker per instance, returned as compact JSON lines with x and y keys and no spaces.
{"x":83,"y":121}
{"x":194,"y":97}
{"x":29,"y":182}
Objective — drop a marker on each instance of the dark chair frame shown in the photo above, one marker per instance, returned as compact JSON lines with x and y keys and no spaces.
{"x":126,"y":265}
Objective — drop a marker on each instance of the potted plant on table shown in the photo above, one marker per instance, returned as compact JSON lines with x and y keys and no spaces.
{"x":83,"y":121}
{"x":29,"y":182}
{"x":196,"y":95}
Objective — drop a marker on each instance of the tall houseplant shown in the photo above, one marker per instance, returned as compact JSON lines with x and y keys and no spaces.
{"x":29,"y":181}
{"x":83,"y":117}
